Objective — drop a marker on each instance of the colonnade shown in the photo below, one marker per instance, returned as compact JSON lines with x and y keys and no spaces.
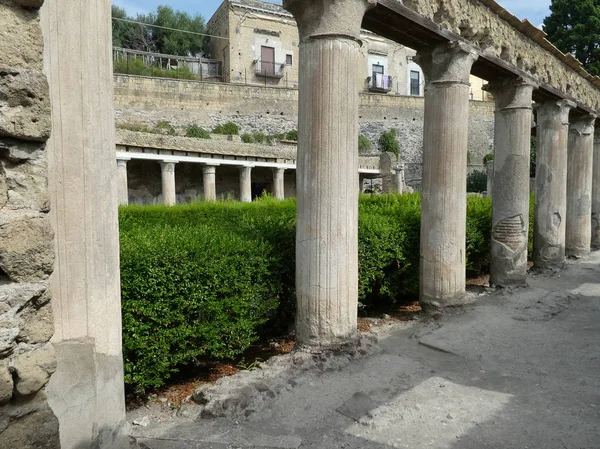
{"x":567,"y":185}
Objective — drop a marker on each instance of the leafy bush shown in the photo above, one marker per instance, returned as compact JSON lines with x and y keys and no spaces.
{"x":488,"y":157}
{"x":165,"y":127}
{"x":533,"y":157}
{"x":136,"y":66}
{"x":388,"y":142}
{"x":197,"y":131}
{"x":292,"y":135}
{"x":228,"y":129}
{"x":247,"y":138}
{"x":256,"y":138}
{"x":477,"y":182}
{"x":364,"y":144}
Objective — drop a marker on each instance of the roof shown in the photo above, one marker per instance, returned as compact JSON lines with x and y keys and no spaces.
{"x":256,"y":5}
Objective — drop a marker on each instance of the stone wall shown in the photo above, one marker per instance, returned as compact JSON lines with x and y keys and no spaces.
{"x":148,"y":101}
{"x":27,"y":359}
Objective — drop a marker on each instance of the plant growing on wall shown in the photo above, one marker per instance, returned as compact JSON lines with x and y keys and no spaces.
{"x":488,"y":157}
{"x":228,"y":129}
{"x":198,"y":132}
{"x":364,"y":144}
{"x":292,"y":135}
{"x":388,"y":142}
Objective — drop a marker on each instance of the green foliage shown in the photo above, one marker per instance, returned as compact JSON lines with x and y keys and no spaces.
{"x":469,"y":157}
{"x":533,"y":156}
{"x":197,"y":131}
{"x":165,"y":127}
{"x":364,"y":144}
{"x":136,"y":66}
{"x":388,"y":142}
{"x":229,"y":129}
{"x":137,"y":127}
{"x":477,"y":182}
{"x":292,"y":135}
{"x":247,"y":138}
{"x":488,"y":157}
{"x":256,"y":138}
{"x":574,"y":27}
{"x":479,"y":234}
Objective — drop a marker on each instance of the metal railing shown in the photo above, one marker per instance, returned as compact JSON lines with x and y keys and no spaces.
{"x":269,"y":69}
{"x":380,"y":83}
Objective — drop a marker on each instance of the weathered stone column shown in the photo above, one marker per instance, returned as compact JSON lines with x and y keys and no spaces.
{"x":551,"y":184}
{"x":278,"y":183}
{"x":327,"y":169}
{"x":596,"y":193}
{"x":399,"y":178}
{"x":245,"y":184}
{"x":510,"y":200}
{"x":122,"y":181}
{"x":489,"y":167}
{"x":87,"y":391}
{"x":360,"y":183}
{"x":444,"y":198}
{"x":209,"y":182}
{"x":169,"y":194}
{"x":579,"y":185}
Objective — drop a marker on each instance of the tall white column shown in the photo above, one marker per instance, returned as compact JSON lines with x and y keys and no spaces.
{"x":399,"y":178}
{"x":489,"y":167}
{"x":596,"y":193}
{"x":122,"y":181}
{"x":246,"y":184}
{"x":278,"y":183}
{"x":209,"y":182}
{"x":86,"y":393}
{"x":579,"y":185}
{"x":169,"y":194}
{"x":444,"y":198}
{"x":550,"y":222}
{"x":327,"y":169}
{"x":510,"y":200}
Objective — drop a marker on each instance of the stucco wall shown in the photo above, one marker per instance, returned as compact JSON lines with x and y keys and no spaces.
{"x":27,"y":359}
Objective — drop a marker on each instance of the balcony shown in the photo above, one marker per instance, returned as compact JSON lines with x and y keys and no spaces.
{"x":269,"y":69}
{"x":380,"y":83}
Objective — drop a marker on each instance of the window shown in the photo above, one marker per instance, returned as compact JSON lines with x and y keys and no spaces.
{"x":289,"y":59}
{"x":377,"y":69}
{"x":415,"y":83}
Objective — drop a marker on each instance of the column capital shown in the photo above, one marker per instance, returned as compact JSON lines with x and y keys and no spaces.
{"x":167,"y":165}
{"x":243,"y":167}
{"x":209,"y":169}
{"x":322,"y":18}
{"x":122,"y":162}
{"x":278,"y":170}
{"x":555,"y":108}
{"x":447,"y":63}
{"x":583,"y":125}
{"x":515,"y":93}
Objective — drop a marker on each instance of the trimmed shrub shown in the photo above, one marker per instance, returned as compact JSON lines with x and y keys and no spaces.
{"x":229,"y":129}
{"x":477,"y":182}
{"x":488,"y":157}
{"x":198,"y":132}
{"x":247,"y":138}
{"x":364,"y":144}
{"x":388,"y":142}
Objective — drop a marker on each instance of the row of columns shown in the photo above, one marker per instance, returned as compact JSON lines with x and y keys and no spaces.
{"x":326,"y":234}
{"x":208,"y":181}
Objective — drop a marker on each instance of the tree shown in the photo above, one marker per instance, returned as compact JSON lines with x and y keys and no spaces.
{"x":574,"y":27}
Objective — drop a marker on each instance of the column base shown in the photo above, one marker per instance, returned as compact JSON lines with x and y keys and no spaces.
{"x":460,"y":299}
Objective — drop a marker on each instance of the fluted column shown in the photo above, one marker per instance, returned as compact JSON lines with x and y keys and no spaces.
{"x":596,"y":193}
{"x":550,"y":222}
{"x":489,"y":167}
{"x":327,"y":169}
{"x":246,"y":184}
{"x":579,"y":185}
{"x":444,"y":198}
{"x":209,"y":182}
{"x":86,"y":392}
{"x":278,"y":183}
{"x":399,"y":178}
{"x":510,"y":200}
{"x":122,"y":181}
{"x":169,"y":195}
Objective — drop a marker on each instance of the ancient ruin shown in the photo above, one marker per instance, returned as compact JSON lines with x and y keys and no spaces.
{"x":59,"y":259}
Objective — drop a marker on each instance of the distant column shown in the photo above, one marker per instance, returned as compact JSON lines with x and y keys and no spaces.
{"x":361,"y":181}
{"x":579,"y":185}
{"x":168,"y":183}
{"x":489,"y":166}
{"x":278,"y":183}
{"x":209,"y":181}
{"x":122,"y":181}
{"x":444,"y":199}
{"x":399,"y":178}
{"x":510,"y":200}
{"x":246,"y":184}
{"x":596,"y":193}
{"x":551,"y":184}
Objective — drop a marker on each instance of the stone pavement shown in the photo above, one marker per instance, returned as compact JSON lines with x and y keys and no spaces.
{"x":517,"y":369}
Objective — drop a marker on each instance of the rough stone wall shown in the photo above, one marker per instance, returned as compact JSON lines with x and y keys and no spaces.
{"x":147,"y":101}
{"x":27,"y":359}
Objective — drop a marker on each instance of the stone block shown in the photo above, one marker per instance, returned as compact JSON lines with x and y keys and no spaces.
{"x":35,"y":430}
{"x":6,"y":383}
{"x":33,"y":369}
{"x":26,"y":246}
{"x":24,"y":104}
{"x":37,"y":325}
{"x":22,"y":42}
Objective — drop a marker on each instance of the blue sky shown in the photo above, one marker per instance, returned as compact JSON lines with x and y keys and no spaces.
{"x":534,"y":10}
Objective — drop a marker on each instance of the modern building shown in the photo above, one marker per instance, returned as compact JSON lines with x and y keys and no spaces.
{"x":258,"y":44}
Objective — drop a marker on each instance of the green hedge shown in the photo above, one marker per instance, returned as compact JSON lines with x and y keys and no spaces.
{"x":206,"y":280}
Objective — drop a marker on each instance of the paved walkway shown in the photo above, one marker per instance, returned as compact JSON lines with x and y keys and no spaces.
{"x":518,"y":369}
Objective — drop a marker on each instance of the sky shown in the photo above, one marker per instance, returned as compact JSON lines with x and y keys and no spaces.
{"x":534,"y":10}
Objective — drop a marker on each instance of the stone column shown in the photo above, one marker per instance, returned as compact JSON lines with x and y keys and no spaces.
{"x":209,"y":181}
{"x":596,"y":193}
{"x":245,"y":184}
{"x":551,"y":184}
{"x":489,"y":167}
{"x":327,"y":169}
{"x":399,"y":178}
{"x":510,"y":200}
{"x":579,"y":185}
{"x":278,"y":183}
{"x":86,"y":392}
{"x":444,"y":198}
{"x":122,"y":181}
{"x":360,"y":183}
{"x":169,"y":195}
